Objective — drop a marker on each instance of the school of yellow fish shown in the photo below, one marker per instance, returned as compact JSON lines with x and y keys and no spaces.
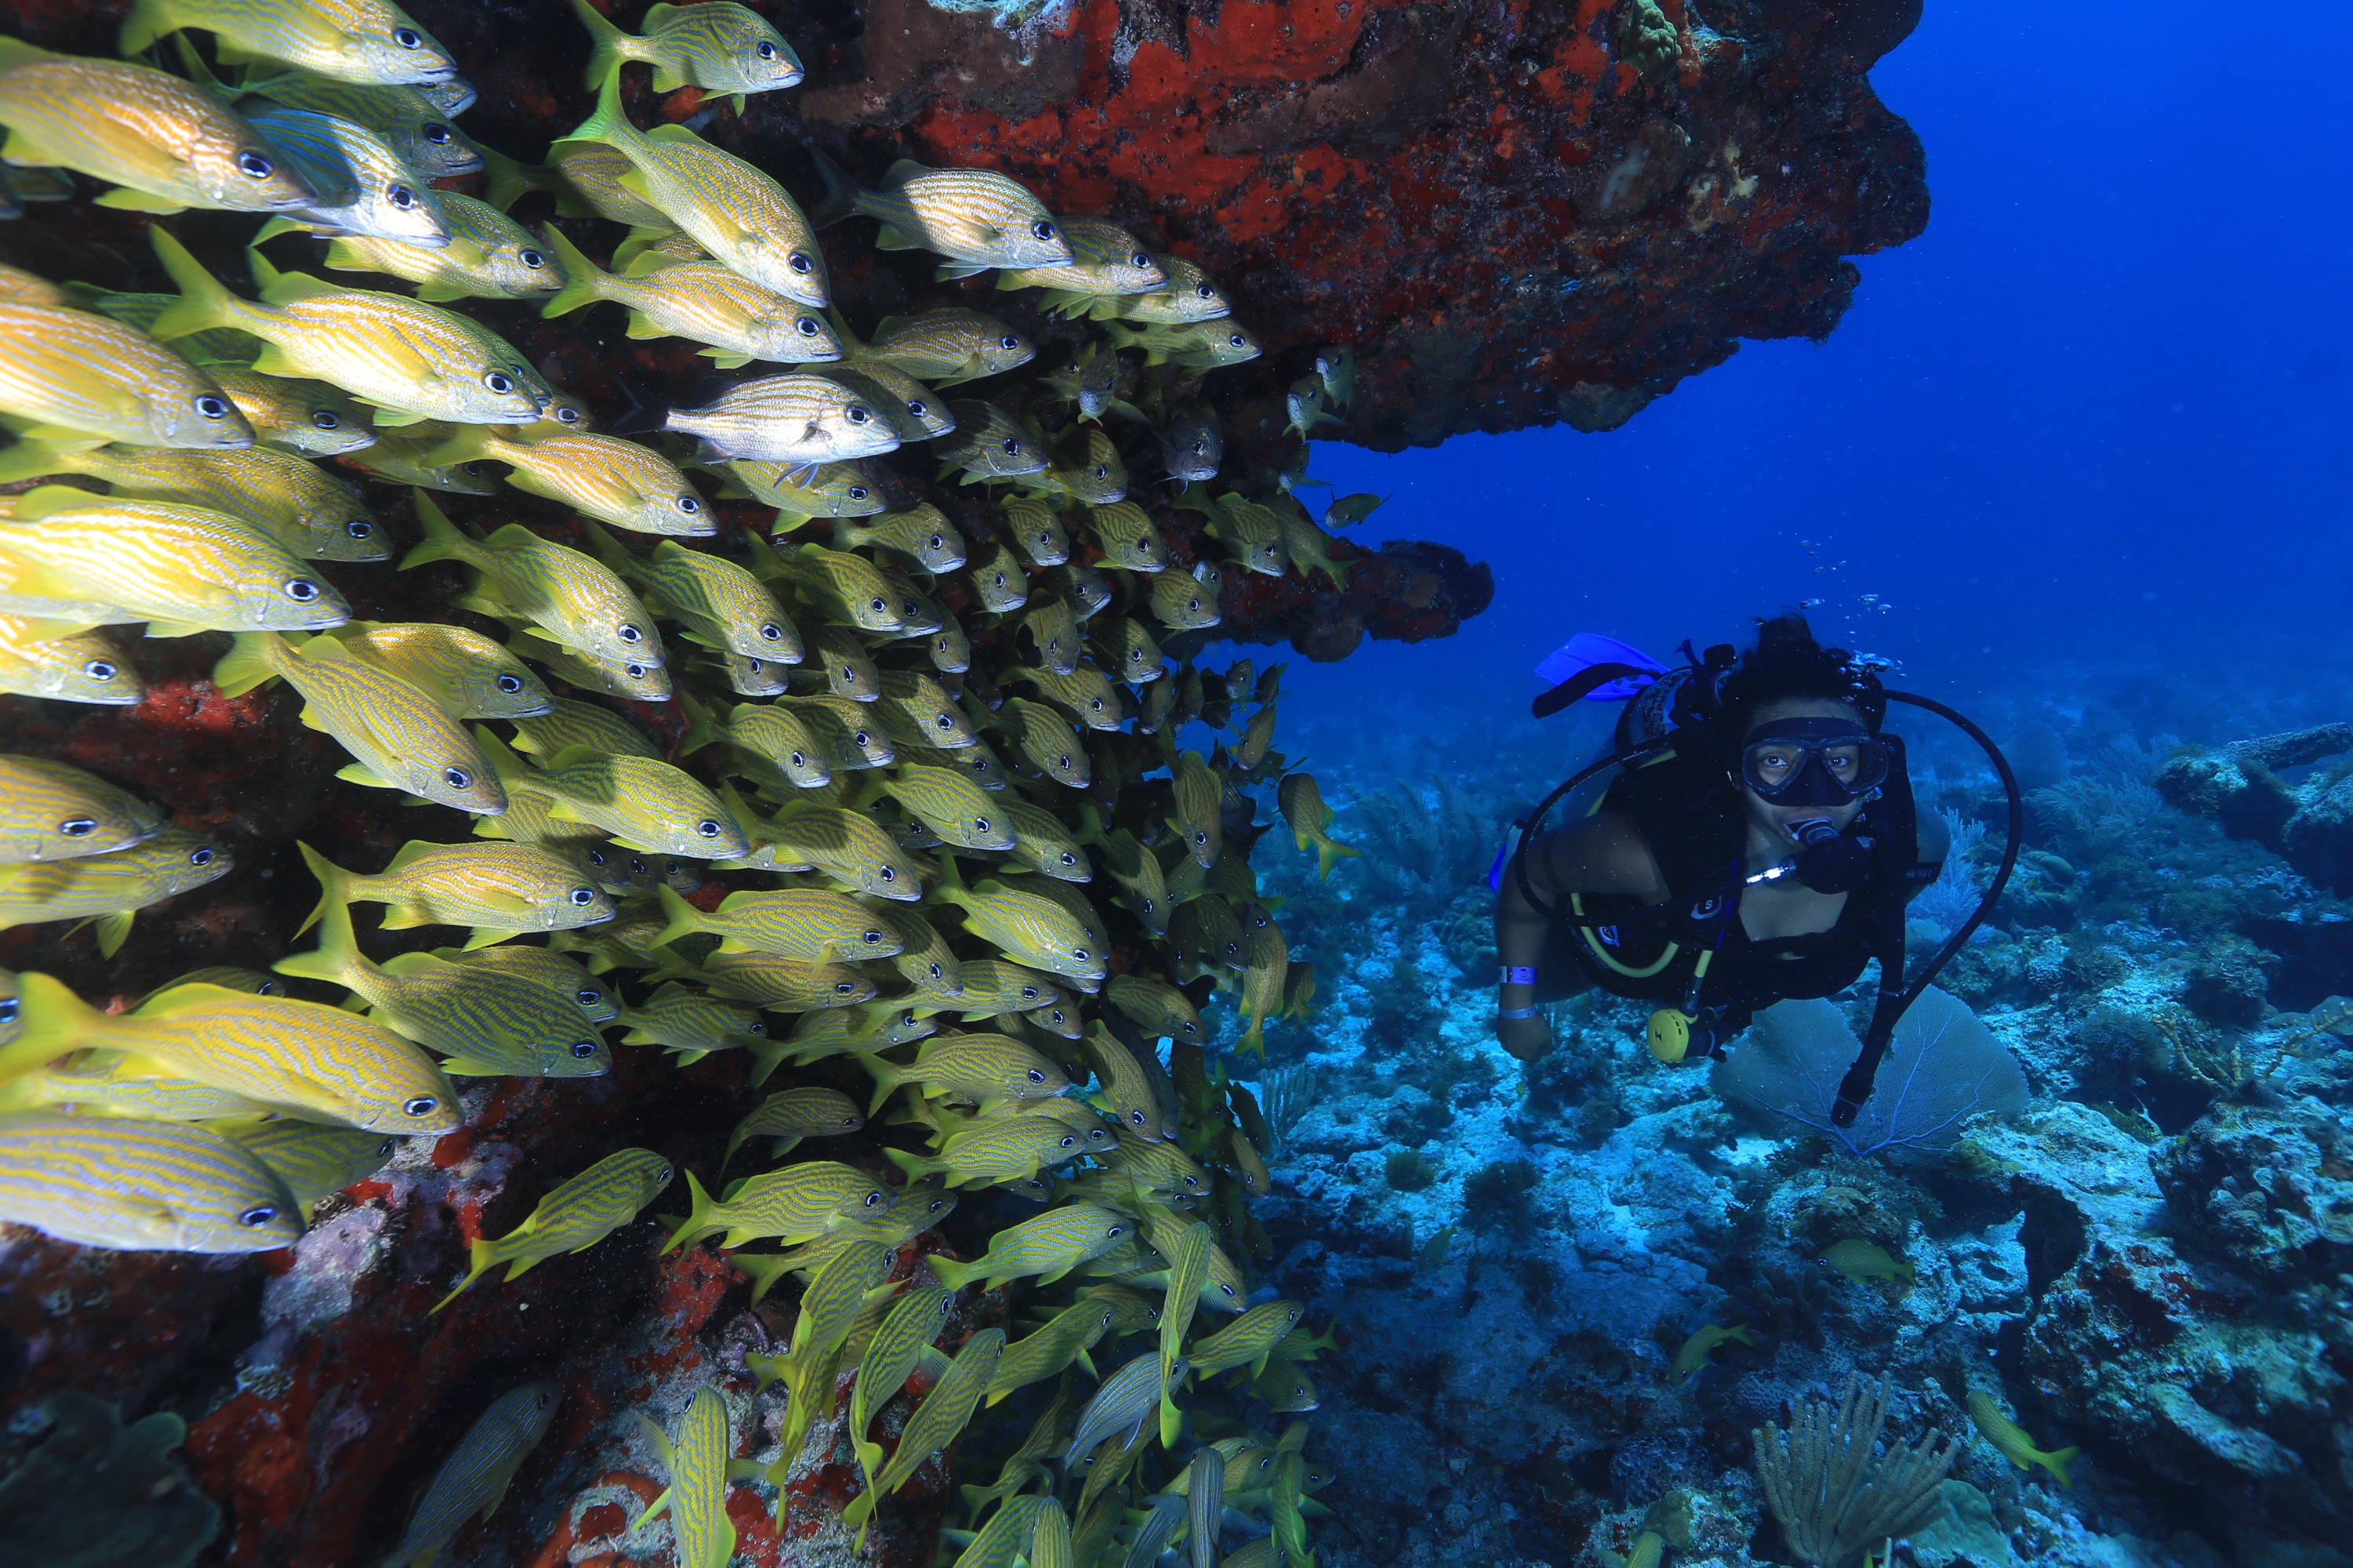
{"x":927,"y":843}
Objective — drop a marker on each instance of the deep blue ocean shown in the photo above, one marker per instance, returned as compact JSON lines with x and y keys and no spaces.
{"x":2094,"y":421}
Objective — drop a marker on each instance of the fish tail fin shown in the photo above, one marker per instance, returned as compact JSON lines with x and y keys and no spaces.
{"x":509,"y":182}
{"x":954,"y":1276}
{"x":2057,"y":1464}
{"x":886,"y":1080}
{"x":1253,"y":1039}
{"x":338,"y":955}
{"x":906,"y":1161}
{"x":701,"y":728}
{"x":481,"y":1257}
{"x":53,"y":1021}
{"x":697,"y":1221}
{"x":841,"y":193}
{"x":685,"y":919}
{"x":1329,"y":852}
{"x":609,"y":124}
{"x":466,"y":443}
{"x":609,"y":47}
{"x":583,"y":280}
{"x":334,"y":885}
{"x":31,"y":458}
{"x":148,"y":21}
{"x":442,"y":541}
{"x":767,"y":1055}
{"x":204,"y":300}
{"x":251,"y":661}
{"x":764,"y":1273}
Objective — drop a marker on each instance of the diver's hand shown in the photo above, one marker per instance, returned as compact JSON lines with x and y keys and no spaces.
{"x":1526,"y":1038}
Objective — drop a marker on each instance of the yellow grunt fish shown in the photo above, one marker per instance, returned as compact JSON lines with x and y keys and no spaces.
{"x":498,"y":889}
{"x":307,"y":1060}
{"x":943,"y":1413}
{"x":349,"y":40}
{"x":75,"y":378}
{"x":736,"y":318}
{"x":800,"y":420}
{"x":989,"y":1069}
{"x":489,"y":256}
{"x":167,"y":143}
{"x":645,"y":805}
{"x":949,"y":347}
{"x":548,"y":967}
{"x":105,"y":560}
{"x":418,"y":129}
{"x":465,"y":674}
{"x":804,"y":923}
{"x":572,"y":1217}
{"x":1693,"y":1359}
{"x":1029,"y":929}
{"x":788,"y":1116}
{"x":1188,"y":296}
{"x":977,"y":219}
{"x":721,"y":604}
{"x":79,"y":667}
{"x":1196,"y":344}
{"x":415,"y":361}
{"x":307,"y":510}
{"x":307,"y":418}
{"x":312,"y":1163}
{"x":569,"y":723}
{"x":1129,"y":541}
{"x":739,"y":215}
{"x":360,"y":184}
{"x":989,"y":444}
{"x":2011,"y":1441}
{"x":720,"y":47}
{"x":604,"y":477}
{"x":109,"y":888}
{"x":1105,"y":261}
{"x":835,"y":489}
{"x":474,"y":1477}
{"x":139,"y":1185}
{"x":697,"y":1465}
{"x":579,"y":602}
{"x":52,"y":810}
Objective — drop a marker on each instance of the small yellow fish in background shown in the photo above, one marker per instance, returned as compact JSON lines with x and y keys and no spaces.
{"x":723,"y":48}
{"x":53,"y":810}
{"x":107,"y":1082}
{"x":736,"y":318}
{"x":800,"y":420}
{"x":742,"y":216}
{"x":805,"y":923}
{"x":1030,"y":928}
{"x":361,"y":186}
{"x":943,"y":1413}
{"x":915,"y":413}
{"x":1048,"y":1247}
{"x":1310,"y":548}
{"x":418,"y":129}
{"x":349,"y":40}
{"x":1301,"y":801}
{"x":1129,"y":538}
{"x":1085,"y":465}
{"x":977,"y":219}
{"x":304,"y":1059}
{"x":1861,"y":1260}
{"x":989,"y":1069}
{"x":499,"y":889}
{"x":1105,"y":261}
{"x":901,"y":1343}
{"x":952,"y":806}
{"x":1188,"y":296}
{"x":920,"y":535}
{"x":575,"y":599}
{"x":1156,"y":1006}
{"x":1046,"y":740}
{"x":465,"y":672}
{"x":1196,"y":344}
{"x":631,"y":678}
{"x":490,"y":256}
{"x":1036,"y":529}
{"x":167,"y":143}
{"x":312,"y":1162}
{"x":550,"y":968}
{"x":77,"y":378}
{"x":1253,"y":533}
{"x":572,"y":1217}
{"x":110,"y":889}
{"x":473,"y":1479}
{"x":604,"y":477}
{"x":1692,"y":1360}
{"x":398,"y":736}
{"x":692,"y":1022}
{"x":835,"y":489}
{"x":139,"y":1185}
{"x":792,"y":1115}
{"x":412,"y":360}
{"x":310,"y":512}
{"x":81,"y":667}
{"x":947,"y":347}
{"x":643,"y":804}
{"x":568,"y":724}
{"x":1187,"y":603}
{"x":2011,"y":1441}
{"x":797,"y":1203}
{"x":396,"y":456}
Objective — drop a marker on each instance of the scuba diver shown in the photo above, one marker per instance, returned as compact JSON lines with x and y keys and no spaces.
{"x":1758,"y":841}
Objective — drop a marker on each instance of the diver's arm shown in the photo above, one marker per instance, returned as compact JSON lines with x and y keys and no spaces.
{"x":1602,"y":854}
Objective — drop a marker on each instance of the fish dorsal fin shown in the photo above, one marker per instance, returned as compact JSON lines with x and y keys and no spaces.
{"x":179,"y":998}
{"x":573,"y":756}
{"x":35,"y":504}
{"x":282,"y":287}
{"x":905,"y":169}
{"x":413,"y":964}
{"x":409,"y":852}
{"x":677,"y":135}
{"x":513,"y":537}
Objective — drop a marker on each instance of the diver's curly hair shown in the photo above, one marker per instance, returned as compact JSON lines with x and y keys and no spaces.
{"x":1787,"y":663}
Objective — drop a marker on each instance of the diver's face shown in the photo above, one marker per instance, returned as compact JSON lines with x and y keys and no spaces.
{"x":1778,"y":820}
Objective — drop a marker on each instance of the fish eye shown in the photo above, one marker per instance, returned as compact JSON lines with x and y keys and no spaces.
{"x":1070,"y":859}
{"x":862,"y":740}
{"x":596,"y":855}
{"x":807,"y":326}
{"x":937,"y":973}
{"x":76,"y":827}
{"x":1236,"y":339}
{"x":765,"y":49}
{"x":256,"y":1216}
{"x":1101,"y":473}
{"x":359,"y":527}
{"x":1080,"y":953}
{"x":400,"y":196}
{"x":567,"y":415}
{"x":475,"y":469}
{"x":878,"y":606}
{"x":589,"y":996}
{"x":707,"y":829}
{"x":873,"y":1199}
{"x":584,"y":896}
{"x":584,"y":1049}
{"x":690,"y":505}
{"x":633,"y":671}
{"x":887,"y":874}
{"x":212,"y":408}
{"x":326,"y":420}
{"x":1113,"y":1235}
{"x":256,"y":166}
{"x":423,"y":1105}
{"x":1008,"y":343}
{"x":1042,"y":229}
{"x":630,"y":633}
{"x":756,"y":1027}
{"x":1205,"y":292}
{"x":797,"y":760}
{"x":531,"y":259}
{"x":99,"y":670}
{"x":1140,"y":261}
{"x":458,"y":777}
{"x":511,"y":684}
{"x":407,"y":39}
{"x":498,"y":381}
{"x":857,"y":414}
{"x":800,"y":263}
{"x":1068,"y":1141}
{"x":301,"y":590}
{"x":1012,"y":446}
{"x":636,"y":866}
{"x":1028,"y":993}
{"x":858,"y":492}
{"x":1062,"y":762}
{"x":436,"y":133}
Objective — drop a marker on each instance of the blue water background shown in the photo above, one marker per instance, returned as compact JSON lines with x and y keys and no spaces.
{"x":2093,"y":420}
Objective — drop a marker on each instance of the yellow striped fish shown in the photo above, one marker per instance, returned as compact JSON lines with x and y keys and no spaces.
{"x":899,"y":1346}
{"x":569,"y":723}
{"x":19,"y":287}
{"x":692,"y":1023}
{"x":412,"y":359}
{"x":989,"y":1069}
{"x":736,"y":318}
{"x":800,"y":420}
{"x":398,"y":457}
{"x":848,"y":847}
{"x":487,"y":1023}
{"x":604,"y":477}
{"x":1156,"y":1006}
{"x":848,"y":1286}
{"x":1188,"y":296}
{"x":1046,"y":1247}
{"x":1125,"y":1399}
{"x":1086,"y":467}
{"x":418,"y":129}
{"x":1124,"y":645}
{"x":53,"y":810}
{"x":168,"y":143}
{"x":572,"y":1217}
{"x":1187,"y":603}
{"x":490,"y":256}
{"x":360,"y":184}
{"x":306,"y":509}
{"x":1036,"y":528}
{"x":474,"y":1477}
{"x":848,"y":670}
{"x":915,"y":413}
{"x":307,"y":418}
{"x":995,"y":1154}
{"x":739,"y":215}
{"x":1030,"y":928}
{"x":851,"y":587}
{"x":1105,"y":260}
{"x":835,"y":489}
{"x":788,"y":1116}
{"x":991,"y":988}
{"x":499,"y":889}
{"x":797,"y":1203}
{"x":1054,"y":1346}
{"x":945,"y":1412}
{"x":577,"y":600}
{"x":1196,"y":344}
{"x":465,"y":674}
{"x":989,"y":443}
{"x":721,"y":47}
{"x":644,"y":804}
{"x":78,"y":378}
{"x":1188,"y":1272}
{"x":721,"y":604}
{"x":349,"y":40}
{"x":2011,"y":1441}
{"x":1128,"y":537}
{"x":81,"y":667}
{"x":143,"y":1186}
{"x":952,"y":806}
{"x":109,"y":1084}
{"x":307,"y":1060}
{"x":921,"y":534}
{"x":804,"y":923}
{"x":1247,"y":1340}
{"x":630,"y":678}
{"x":949,"y":347}
{"x":1045,"y":845}
{"x":398,"y":735}
{"x":111,"y":888}
{"x":1045,"y":738}
{"x":221,"y":346}
{"x":780,"y":985}
{"x":777,"y":736}
{"x":697,"y":1494}
{"x":977,"y":219}
{"x":312,"y":1163}
{"x":551,"y":969}
{"x":1084,"y":692}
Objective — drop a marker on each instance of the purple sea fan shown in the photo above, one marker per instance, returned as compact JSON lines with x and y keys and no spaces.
{"x":1942,"y":1067}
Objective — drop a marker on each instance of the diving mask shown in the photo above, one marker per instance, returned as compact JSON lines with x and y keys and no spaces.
{"x":1813,"y":762}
